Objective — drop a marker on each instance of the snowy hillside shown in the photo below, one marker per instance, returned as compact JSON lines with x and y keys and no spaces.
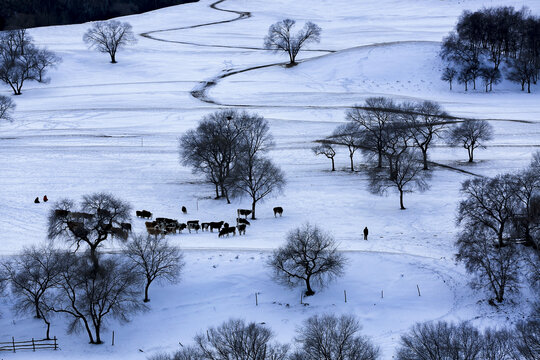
{"x":114,"y":128}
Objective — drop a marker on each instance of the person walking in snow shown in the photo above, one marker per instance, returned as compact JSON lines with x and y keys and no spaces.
{"x":365,"y":233}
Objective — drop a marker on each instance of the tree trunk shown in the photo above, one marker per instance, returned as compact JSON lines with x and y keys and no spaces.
{"x":87,"y":327}
{"x":466,"y":89}
{"x":529,"y":86}
{"x":470,"y":150}
{"x":450,"y":85}
{"x":113,"y":58}
{"x":379,"y":160}
{"x":98,"y":336}
{"x":217,"y":191}
{"x":253,"y":209}
{"x":401,"y":200}
{"x":309,"y":290}
{"x":523,"y":86}
{"x":146,"y":299}
{"x":48,"y":337}
{"x":38,"y":313}
{"x":94,"y":257}
{"x":424,"y":155}
{"x":352,"y":161}
{"x":333,"y":167}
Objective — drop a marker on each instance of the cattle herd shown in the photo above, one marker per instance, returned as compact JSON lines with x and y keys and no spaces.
{"x":165,"y":226}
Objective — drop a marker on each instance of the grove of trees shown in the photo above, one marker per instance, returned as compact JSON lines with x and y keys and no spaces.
{"x":228,"y":147}
{"x":491,"y":42}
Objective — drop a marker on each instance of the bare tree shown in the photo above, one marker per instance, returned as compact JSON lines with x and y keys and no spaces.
{"x":448,"y":75}
{"x":91,"y":297}
{"x":526,"y":214}
{"x":154,"y":259}
{"x":327,"y":150}
{"x":31,"y":275}
{"x":309,"y":255}
{"x":234,"y":339}
{"x":109,"y":36}
{"x":426,"y":122}
{"x":6,"y":108}
{"x":21,"y":61}
{"x":328,"y":337}
{"x":407,"y":175}
{"x":98,"y":218}
{"x":528,"y":337}
{"x":279,"y":38}
{"x":489,"y":203}
{"x":443,"y":340}
{"x":45,"y":59}
{"x":373,"y":118}
{"x":494,"y":268}
{"x":470,"y":134}
{"x":257,"y":179}
{"x":349,"y":136}
{"x":490,"y":76}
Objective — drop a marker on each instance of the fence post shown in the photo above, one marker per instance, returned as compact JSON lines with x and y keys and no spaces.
{"x":13,"y":342}
{"x":382,"y":294}
{"x":301,"y":296}
{"x":345,"y":294}
{"x":112,"y":338}
{"x":55,"y":345}
{"x":256,"y":300}
{"x":33,"y":345}
{"x":418,"y":287}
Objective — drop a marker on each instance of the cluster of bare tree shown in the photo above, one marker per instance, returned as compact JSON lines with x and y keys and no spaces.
{"x":21,"y":60}
{"x":280,"y":38}
{"x":491,"y":39}
{"x":442,"y":340}
{"x":6,"y":108}
{"x":228,"y":147}
{"x":109,"y":36}
{"x":497,"y":215}
{"x":396,"y":139}
{"x":89,"y":288}
{"x":324,"y":337}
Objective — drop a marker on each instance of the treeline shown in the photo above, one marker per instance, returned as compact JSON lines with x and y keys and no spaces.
{"x":491,"y":43}
{"x":15,"y":14}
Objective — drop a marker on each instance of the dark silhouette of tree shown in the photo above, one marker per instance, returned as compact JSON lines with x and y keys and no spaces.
{"x":309,"y":256}
{"x":327,"y":150}
{"x":470,"y":134}
{"x":91,"y":297}
{"x":6,"y":108}
{"x":32,"y":275}
{"x":372,"y":119}
{"x":257,"y":179}
{"x":523,"y":70}
{"x":45,"y":59}
{"x":426,"y":122}
{"x":328,"y":337}
{"x":234,"y":339}
{"x":109,"y":36}
{"x":489,"y":203}
{"x":348,"y":135}
{"x":154,"y":259}
{"x":96,"y":220}
{"x":489,"y":77}
{"x":449,"y":75}
{"x":280,"y":38}
{"x":494,"y":267}
{"x":406,"y":175}
{"x":528,"y":336}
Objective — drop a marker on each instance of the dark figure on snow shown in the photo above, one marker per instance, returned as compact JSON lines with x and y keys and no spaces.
{"x":184,"y":210}
{"x":45,"y":198}
{"x":36,"y":200}
{"x":365,"y":233}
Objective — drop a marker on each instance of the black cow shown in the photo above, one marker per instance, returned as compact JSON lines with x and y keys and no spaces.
{"x":227,"y":231}
{"x":243,"y":212}
{"x":184,"y":210}
{"x":205,"y":226}
{"x":144,"y":214}
{"x":61,"y":213}
{"x":278,"y":210}
{"x":242,"y":221}
{"x":242,"y":229}
{"x":126,"y":226}
{"x":216,"y":225}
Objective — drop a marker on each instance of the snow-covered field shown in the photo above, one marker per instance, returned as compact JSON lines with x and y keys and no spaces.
{"x":103,"y":127}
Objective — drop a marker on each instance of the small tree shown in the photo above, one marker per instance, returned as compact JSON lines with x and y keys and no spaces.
{"x":32,"y":275}
{"x":490,"y":76}
{"x":258,"y":179}
{"x":6,"y":108}
{"x":448,"y":75}
{"x":109,"y":36}
{"x":426,"y":122}
{"x":347,"y":135}
{"x":470,"y":134}
{"x":329,"y":337}
{"x":93,"y":224}
{"x":494,"y":268}
{"x":45,"y":59}
{"x":527,"y":340}
{"x":489,"y":203}
{"x":407,"y":175}
{"x":309,"y":255}
{"x":154,"y":259}
{"x":327,"y":150}
{"x":234,"y":339}
{"x":91,"y":297}
{"x":279,"y":38}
